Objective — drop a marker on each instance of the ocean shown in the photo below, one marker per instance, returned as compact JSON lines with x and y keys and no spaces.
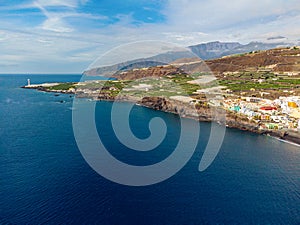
{"x":44,"y":179}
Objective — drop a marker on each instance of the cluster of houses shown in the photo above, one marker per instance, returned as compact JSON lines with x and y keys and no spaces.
{"x":282,"y":113}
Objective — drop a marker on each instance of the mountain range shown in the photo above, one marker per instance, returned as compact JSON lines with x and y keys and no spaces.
{"x":218,"y":49}
{"x":205,"y":51}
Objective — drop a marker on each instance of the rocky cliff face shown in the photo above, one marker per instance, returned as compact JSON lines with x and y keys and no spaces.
{"x":177,"y":107}
{"x":201,"y":113}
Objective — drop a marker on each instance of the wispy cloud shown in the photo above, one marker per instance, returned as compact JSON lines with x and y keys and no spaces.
{"x":44,"y":3}
{"x":56,"y":20}
{"x":72,"y":33}
{"x":218,"y":17}
{"x":53,"y":22}
{"x":67,"y":3}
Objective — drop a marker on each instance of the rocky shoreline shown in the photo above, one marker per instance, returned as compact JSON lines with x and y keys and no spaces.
{"x":202,"y":114}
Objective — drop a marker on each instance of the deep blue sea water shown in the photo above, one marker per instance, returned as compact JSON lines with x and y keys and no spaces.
{"x":44,"y":178}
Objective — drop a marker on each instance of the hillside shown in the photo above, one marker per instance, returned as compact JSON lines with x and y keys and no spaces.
{"x":204,"y":51}
{"x":275,"y":71}
{"x":279,"y":60}
{"x":285,"y":61}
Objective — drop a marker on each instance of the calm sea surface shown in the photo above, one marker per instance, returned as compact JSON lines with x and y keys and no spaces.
{"x":44,"y":179}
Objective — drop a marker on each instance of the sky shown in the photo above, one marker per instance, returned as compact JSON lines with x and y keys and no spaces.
{"x":66,"y":36}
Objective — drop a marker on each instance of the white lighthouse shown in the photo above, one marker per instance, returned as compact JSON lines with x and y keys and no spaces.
{"x":28,"y":82}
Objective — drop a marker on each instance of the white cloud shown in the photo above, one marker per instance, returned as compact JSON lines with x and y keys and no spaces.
{"x":46,"y":3}
{"x":187,"y":22}
{"x":67,"y":3}
{"x":193,"y":21}
{"x":56,"y":24}
{"x":53,"y":22}
{"x":56,"y":21}
{"x":209,"y":14}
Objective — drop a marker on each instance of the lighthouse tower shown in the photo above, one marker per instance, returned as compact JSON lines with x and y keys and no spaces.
{"x":28,"y":82}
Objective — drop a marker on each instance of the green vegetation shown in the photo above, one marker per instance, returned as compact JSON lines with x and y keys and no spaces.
{"x":167,"y":86}
{"x":182,"y":81}
{"x":245,"y":81}
{"x":250,"y":75}
{"x":290,"y":81}
{"x":106,"y":84}
{"x":164,"y":86}
{"x":63,"y":86}
{"x":248,"y":85}
{"x":178,"y":84}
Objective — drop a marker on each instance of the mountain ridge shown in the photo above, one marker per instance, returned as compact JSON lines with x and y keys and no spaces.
{"x":205,"y":51}
{"x":217,"y":49}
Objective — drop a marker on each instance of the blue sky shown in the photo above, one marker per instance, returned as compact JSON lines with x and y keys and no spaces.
{"x":65,"y":36}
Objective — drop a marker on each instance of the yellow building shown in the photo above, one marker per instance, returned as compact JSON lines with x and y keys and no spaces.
{"x":292,"y":104}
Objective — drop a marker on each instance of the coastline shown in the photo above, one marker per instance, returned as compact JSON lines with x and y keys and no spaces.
{"x":233,"y":120}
